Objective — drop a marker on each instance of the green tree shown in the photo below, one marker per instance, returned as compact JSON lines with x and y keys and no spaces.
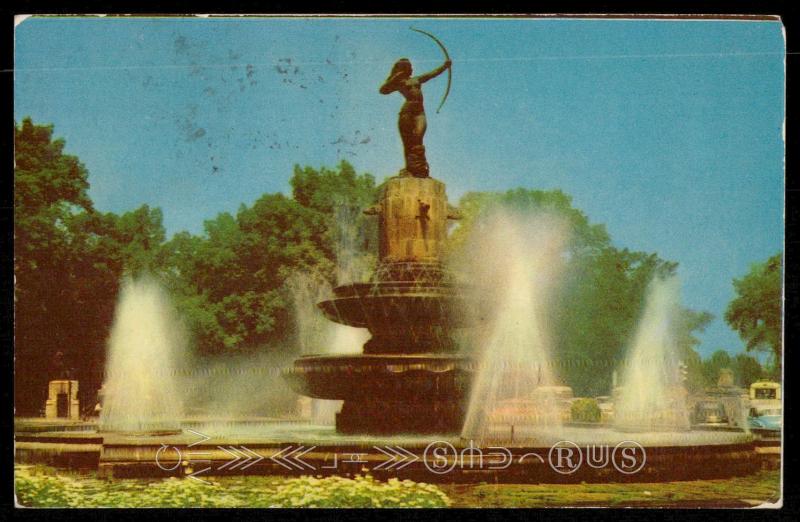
{"x":324,"y":189}
{"x":692,"y":322}
{"x":755,"y":313}
{"x":585,"y":410}
{"x":719,"y":360}
{"x":68,"y":259}
{"x":50,"y":188}
{"x":746,"y":369}
{"x":230,"y":282}
{"x":341,"y":195}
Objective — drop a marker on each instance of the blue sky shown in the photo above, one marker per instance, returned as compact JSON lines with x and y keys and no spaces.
{"x":669,"y":132}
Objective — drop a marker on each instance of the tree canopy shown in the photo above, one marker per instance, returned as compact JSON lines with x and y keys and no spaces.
{"x":68,"y":261}
{"x":755,"y":313}
{"x":230,"y":281}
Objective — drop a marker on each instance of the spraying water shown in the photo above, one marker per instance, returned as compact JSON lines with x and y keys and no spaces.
{"x":146,"y":348}
{"x":513,"y":386}
{"x":353,"y":262}
{"x":652,"y":396}
{"x":317,"y":335}
{"x":230,"y":386}
{"x":314,"y":333}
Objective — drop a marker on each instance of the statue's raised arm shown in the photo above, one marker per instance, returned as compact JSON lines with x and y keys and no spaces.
{"x":434,"y":73}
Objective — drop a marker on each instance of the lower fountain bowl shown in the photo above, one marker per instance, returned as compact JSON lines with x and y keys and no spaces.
{"x":411,"y":378}
{"x":389,"y":394}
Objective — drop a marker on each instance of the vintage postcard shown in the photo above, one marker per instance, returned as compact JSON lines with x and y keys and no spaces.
{"x":418,"y":262}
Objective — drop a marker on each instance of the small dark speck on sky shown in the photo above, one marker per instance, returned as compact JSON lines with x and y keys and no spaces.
{"x":181,"y":44}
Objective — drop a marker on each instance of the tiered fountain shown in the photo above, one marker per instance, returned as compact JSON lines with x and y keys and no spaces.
{"x":409,"y":378}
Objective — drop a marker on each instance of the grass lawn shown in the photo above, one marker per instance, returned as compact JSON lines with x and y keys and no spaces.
{"x":42,"y":486}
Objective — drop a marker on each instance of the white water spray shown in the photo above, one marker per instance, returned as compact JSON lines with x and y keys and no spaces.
{"x":317,"y":335}
{"x":145,"y":352}
{"x":521,"y":257}
{"x":652,"y":396}
{"x":353,"y":263}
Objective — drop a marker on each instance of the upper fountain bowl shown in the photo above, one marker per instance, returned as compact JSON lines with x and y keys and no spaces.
{"x":401,"y":304}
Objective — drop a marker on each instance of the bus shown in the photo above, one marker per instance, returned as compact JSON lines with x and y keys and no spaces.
{"x":766,"y":412}
{"x":765,"y":391}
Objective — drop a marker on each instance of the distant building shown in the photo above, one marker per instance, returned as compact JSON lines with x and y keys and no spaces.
{"x":62,"y":400}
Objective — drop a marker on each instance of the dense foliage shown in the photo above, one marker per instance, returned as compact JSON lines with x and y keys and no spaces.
{"x":68,"y":259}
{"x":755,"y":313}
{"x":746,"y":369}
{"x":230,"y":281}
{"x":585,"y":410}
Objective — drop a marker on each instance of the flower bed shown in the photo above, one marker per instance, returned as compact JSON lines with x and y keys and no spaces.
{"x":39,"y":486}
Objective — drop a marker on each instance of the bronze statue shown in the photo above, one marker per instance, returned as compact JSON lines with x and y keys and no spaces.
{"x":412,"y":122}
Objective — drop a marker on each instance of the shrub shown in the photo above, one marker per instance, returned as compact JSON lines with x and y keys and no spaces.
{"x":585,"y":410}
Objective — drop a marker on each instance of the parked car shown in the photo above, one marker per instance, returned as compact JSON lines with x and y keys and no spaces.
{"x":710,"y":413}
{"x":770,"y":419}
{"x":522,"y":412}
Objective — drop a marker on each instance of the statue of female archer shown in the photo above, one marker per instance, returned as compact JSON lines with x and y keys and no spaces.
{"x":412,"y":122}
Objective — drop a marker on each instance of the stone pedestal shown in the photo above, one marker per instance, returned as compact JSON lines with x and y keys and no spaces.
{"x":62,"y":400}
{"x":413,"y":215}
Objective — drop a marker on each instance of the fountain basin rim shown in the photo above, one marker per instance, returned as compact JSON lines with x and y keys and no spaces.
{"x":382,"y":357}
